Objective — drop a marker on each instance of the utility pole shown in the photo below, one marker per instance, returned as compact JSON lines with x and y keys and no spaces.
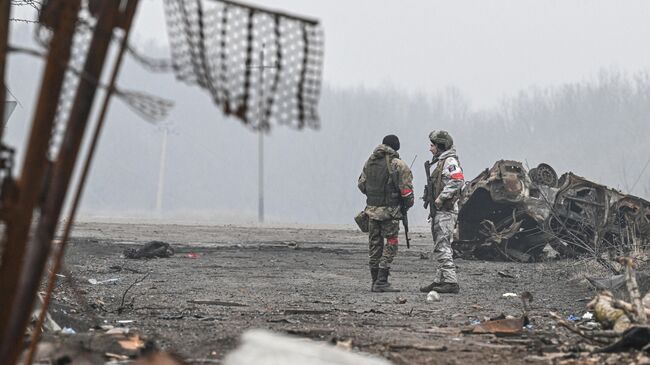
{"x":166,"y":130}
{"x":260,"y":175}
{"x":260,"y":146}
{"x":261,"y":129}
{"x":161,"y":173}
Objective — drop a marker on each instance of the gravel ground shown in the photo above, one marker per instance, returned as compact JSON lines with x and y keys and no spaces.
{"x":311,"y":282}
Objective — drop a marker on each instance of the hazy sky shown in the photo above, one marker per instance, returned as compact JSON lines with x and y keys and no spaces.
{"x":485,"y":49}
{"x":389,"y":43}
{"x":521,"y":42}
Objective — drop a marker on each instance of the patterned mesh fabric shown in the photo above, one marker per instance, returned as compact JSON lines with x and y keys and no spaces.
{"x":260,"y":66}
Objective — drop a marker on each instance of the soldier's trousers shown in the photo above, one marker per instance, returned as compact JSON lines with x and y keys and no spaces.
{"x":442,"y":229}
{"x":382,"y":254}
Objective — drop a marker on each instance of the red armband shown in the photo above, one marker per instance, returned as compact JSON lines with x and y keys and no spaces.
{"x":458,"y":176}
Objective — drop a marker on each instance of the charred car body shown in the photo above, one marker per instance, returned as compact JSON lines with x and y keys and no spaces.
{"x":510,"y":212}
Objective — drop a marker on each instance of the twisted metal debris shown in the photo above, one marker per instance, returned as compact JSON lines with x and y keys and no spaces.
{"x":512,"y":212}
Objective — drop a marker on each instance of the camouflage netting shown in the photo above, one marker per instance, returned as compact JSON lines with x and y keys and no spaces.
{"x":260,"y":66}
{"x":150,"y":107}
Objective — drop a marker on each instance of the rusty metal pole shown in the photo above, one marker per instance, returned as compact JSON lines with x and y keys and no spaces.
{"x":31,"y":179}
{"x":39,"y":247}
{"x":129,"y":14}
{"x":5,"y":12}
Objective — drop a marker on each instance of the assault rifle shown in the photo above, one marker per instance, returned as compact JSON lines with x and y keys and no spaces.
{"x":428,"y":188}
{"x":402,"y":208}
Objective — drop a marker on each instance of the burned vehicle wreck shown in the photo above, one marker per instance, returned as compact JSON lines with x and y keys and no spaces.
{"x":510,"y":212}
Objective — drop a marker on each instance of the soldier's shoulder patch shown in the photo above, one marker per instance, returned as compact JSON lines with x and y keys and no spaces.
{"x":453,"y":168}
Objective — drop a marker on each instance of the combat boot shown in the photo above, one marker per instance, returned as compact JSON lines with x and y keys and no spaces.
{"x":373,"y":273}
{"x":428,"y":288}
{"x":441,"y":288}
{"x":382,"y":285}
{"x":451,"y":288}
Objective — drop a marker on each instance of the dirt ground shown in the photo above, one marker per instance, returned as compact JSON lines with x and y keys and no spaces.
{"x":313,"y":283}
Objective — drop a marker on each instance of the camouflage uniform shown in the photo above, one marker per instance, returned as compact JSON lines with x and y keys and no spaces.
{"x":384,"y":219}
{"x":448,"y":179}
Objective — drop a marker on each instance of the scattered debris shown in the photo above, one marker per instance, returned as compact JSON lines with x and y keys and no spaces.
{"x":68,"y":331}
{"x":596,"y":336}
{"x":107,"y":281}
{"x":121,"y":308}
{"x":509,"y":295}
{"x":616,"y":284}
{"x":264,"y":348}
{"x":589,"y":325}
{"x":150,"y":250}
{"x":116,"y":356}
{"x":639,"y":313}
{"x":293,"y":245}
{"x":193,"y":255}
{"x":344,"y":345}
{"x":636,"y":338}
{"x":132,"y":343}
{"x":420,"y":347}
{"x":118,"y":331}
{"x":526,"y":299}
{"x":400,"y":300}
{"x":504,"y":274}
{"x":433,"y":296}
{"x":48,"y":324}
{"x":506,"y":326}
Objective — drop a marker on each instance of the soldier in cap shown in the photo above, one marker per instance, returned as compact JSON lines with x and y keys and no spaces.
{"x":447,"y":181}
{"x":387,"y":182}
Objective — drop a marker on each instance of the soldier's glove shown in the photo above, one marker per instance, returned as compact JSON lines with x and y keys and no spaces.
{"x":409,"y":200}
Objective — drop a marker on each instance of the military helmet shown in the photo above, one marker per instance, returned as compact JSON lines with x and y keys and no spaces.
{"x":442,"y":138}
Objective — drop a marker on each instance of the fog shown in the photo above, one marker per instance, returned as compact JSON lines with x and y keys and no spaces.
{"x":582,"y":112}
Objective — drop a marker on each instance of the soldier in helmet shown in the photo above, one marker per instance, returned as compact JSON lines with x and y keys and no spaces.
{"x":387,"y":182}
{"x":447,"y":180}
